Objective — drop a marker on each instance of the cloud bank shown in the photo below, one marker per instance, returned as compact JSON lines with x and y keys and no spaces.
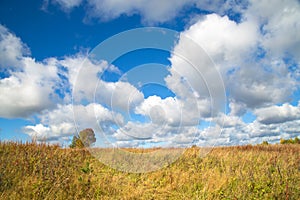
{"x":253,"y":46}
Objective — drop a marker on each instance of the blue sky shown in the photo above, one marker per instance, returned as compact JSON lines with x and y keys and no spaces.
{"x":221,"y":73}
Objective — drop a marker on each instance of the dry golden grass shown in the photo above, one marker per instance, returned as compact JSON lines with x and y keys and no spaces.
{"x":31,"y":171}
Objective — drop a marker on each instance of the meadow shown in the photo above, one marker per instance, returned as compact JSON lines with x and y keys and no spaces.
{"x":41,"y":171}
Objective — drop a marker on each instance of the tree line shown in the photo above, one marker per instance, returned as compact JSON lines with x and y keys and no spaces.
{"x":296,"y":140}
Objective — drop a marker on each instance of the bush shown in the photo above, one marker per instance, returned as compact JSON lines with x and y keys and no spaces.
{"x":76,"y":143}
{"x":290,"y":141}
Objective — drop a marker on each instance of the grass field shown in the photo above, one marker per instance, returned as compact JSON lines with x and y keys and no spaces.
{"x":39,"y":171}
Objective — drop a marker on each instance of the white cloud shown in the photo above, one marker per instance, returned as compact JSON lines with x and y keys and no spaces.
{"x":33,"y":87}
{"x":66,"y":5}
{"x":96,"y":115}
{"x":59,"y":122}
{"x":174,"y":111}
{"x":222,"y":7}
{"x":151,"y":134}
{"x":11,"y":49}
{"x":248,"y":55}
{"x":28,"y":86}
{"x":38,"y":132}
{"x":252,"y":80}
{"x":28,"y":91}
{"x":256,"y":132}
{"x":161,"y":111}
{"x":155,"y":11}
{"x":118,"y":95}
{"x":237,"y":108}
{"x":224,"y":40}
{"x":280,"y":25}
{"x":226,"y":121}
{"x":83,"y":75}
{"x":257,"y":85}
{"x":291,"y":128}
{"x":53,"y":133}
{"x":137,"y":131}
{"x":278,"y":114}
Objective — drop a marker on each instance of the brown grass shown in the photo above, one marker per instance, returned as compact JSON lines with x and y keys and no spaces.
{"x":39,"y":171}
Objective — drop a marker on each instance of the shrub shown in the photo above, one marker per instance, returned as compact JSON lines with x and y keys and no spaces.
{"x":76,"y":143}
{"x":290,"y":141}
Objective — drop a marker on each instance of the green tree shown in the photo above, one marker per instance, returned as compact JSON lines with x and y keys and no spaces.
{"x":85,"y":138}
{"x":290,"y":141}
{"x":283,"y":141}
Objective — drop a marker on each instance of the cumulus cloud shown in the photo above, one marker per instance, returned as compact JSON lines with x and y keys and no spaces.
{"x":54,"y":133}
{"x":193,"y":75}
{"x":154,"y":11}
{"x":175,"y":111}
{"x":280,"y":25}
{"x":254,"y":74}
{"x":151,"y":11}
{"x":66,"y":5}
{"x":66,"y":120}
{"x":139,"y":134}
{"x":84,"y":76}
{"x":161,"y":111}
{"x":137,"y":131}
{"x":256,"y":85}
{"x":28,"y":86}
{"x":237,"y":108}
{"x":278,"y":114}
{"x":39,"y":131}
{"x":118,"y":95}
{"x":223,"y":7}
{"x":252,"y":80}
{"x":59,"y":122}
{"x":256,"y":132}
{"x":227,"y":42}
{"x":12,"y":49}
{"x":251,"y":56}
{"x":40,"y":87}
{"x":29,"y":91}
{"x":226,"y":121}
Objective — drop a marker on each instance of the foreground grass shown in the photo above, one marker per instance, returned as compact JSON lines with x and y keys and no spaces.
{"x":31,"y":171}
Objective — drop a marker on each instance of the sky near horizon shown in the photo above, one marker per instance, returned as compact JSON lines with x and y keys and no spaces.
{"x":184,"y":72}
